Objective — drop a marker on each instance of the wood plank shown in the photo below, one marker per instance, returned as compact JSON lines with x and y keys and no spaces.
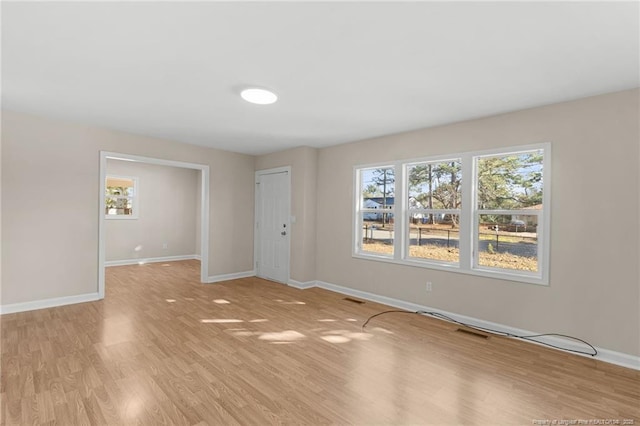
{"x":163,"y":348}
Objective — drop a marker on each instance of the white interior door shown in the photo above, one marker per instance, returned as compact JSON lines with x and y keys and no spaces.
{"x":272,"y":225}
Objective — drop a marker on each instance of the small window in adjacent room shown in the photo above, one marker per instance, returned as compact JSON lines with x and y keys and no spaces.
{"x":121,"y":197}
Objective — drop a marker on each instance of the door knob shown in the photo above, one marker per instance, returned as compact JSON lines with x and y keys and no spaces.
{"x":283,"y":233}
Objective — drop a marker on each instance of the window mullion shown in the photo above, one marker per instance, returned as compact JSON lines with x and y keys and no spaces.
{"x":400,"y":211}
{"x":467,"y":224}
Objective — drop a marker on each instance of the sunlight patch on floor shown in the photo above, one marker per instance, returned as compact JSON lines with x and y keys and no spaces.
{"x":221,"y":301}
{"x":294,"y":302}
{"x":220,"y":320}
{"x":335,"y":339}
{"x":344,"y":336}
{"x":359,"y":336}
{"x":384,"y":330}
{"x":133,"y":407}
{"x":282,"y":336}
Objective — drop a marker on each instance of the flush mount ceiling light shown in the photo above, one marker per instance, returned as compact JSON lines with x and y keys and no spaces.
{"x":258,"y":96}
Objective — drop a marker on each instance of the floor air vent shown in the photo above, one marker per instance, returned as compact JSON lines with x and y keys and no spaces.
{"x":359,"y":302}
{"x":473,"y":333}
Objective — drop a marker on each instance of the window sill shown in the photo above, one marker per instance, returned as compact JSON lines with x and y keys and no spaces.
{"x":455,"y":267}
{"x":122,"y":217}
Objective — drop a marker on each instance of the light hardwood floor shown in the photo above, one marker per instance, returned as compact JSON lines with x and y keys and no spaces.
{"x":164,"y":349}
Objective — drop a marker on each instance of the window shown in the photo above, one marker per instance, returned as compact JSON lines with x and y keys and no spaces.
{"x":482,"y":213}
{"x":121,"y":197}
{"x":508,"y":205}
{"x":376,"y":211}
{"x":433,"y":203}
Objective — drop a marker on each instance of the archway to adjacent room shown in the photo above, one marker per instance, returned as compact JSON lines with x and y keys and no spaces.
{"x":203,"y":209}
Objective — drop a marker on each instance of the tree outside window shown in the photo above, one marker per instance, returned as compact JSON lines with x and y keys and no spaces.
{"x":483,"y":213}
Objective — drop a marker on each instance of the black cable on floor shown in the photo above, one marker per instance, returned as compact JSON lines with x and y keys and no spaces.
{"x":530,"y":338}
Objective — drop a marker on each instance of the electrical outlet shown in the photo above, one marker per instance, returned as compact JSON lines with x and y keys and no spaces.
{"x":429,"y":286}
{"x":165,"y":246}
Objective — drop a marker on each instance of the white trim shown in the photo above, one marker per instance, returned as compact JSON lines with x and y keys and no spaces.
{"x":301,"y":285}
{"x":605,"y":355}
{"x":149,"y":260}
{"x":48,"y":303}
{"x":204,"y":209}
{"x":102,"y":245}
{"x":120,"y":217}
{"x":544,"y":234}
{"x":618,"y":358}
{"x":197,"y":257}
{"x":275,"y":170}
{"x":151,"y":160}
{"x":357,"y":221}
{"x":204,"y":223}
{"x":232,"y":276}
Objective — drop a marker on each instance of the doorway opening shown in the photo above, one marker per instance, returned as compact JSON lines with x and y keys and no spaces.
{"x":103,"y":207}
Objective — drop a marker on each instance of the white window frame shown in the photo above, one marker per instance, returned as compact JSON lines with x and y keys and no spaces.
{"x":542,"y":230}
{"x":135,"y":206}
{"x":468,"y":214}
{"x":407,"y":211}
{"x":359,"y":210}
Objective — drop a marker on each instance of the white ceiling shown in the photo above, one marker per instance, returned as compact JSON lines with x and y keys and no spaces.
{"x":343,"y":71}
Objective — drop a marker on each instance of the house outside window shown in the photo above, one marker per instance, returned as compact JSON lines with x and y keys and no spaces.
{"x":376,"y":211}
{"x":481,"y":213}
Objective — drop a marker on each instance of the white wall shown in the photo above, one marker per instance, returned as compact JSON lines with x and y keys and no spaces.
{"x":50,"y":242}
{"x":594,"y":283}
{"x":166,"y":213}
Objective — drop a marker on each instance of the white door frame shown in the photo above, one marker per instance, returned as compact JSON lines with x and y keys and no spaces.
{"x":256,"y":230}
{"x":204,"y":210}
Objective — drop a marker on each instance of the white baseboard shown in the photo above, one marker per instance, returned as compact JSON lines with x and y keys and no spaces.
{"x":301,"y":285}
{"x":605,"y":355}
{"x":197,"y":257}
{"x":233,"y":276}
{"x":48,"y":303}
{"x":618,"y":358}
{"x":150,"y":260}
